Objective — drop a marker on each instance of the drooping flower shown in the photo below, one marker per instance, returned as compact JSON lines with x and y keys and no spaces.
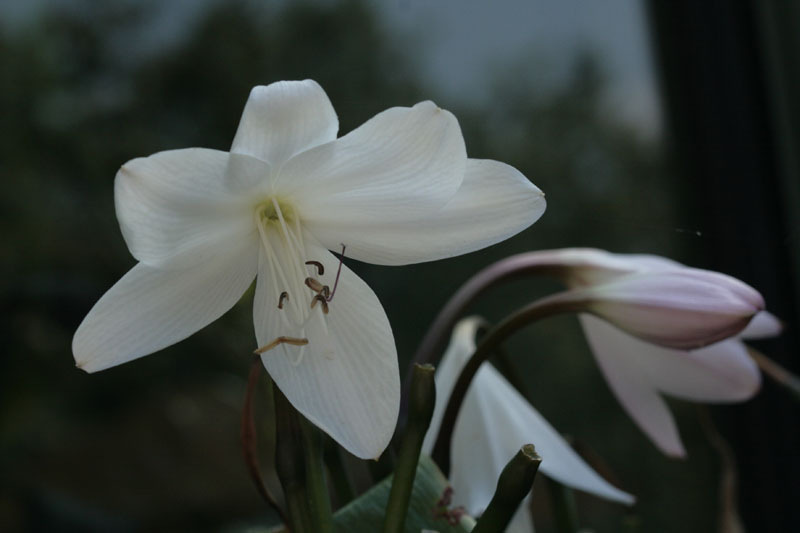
{"x":639,"y":372}
{"x":203,"y":223}
{"x":494,"y":421}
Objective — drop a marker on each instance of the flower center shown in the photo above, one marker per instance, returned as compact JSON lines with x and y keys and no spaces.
{"x":301,"y":299}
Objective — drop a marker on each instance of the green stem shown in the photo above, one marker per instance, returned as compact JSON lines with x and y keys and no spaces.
{"x":289,"y":464}
{"x":422,"y":400}
{"x":319,"y":501}
{"x":513,"y":486}
{"x":565,"y":512}
{"x":341,"y":481}
{"x":539,"y":309}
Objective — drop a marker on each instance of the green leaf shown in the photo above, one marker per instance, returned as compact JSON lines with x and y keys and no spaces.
{"x":365,"y":514}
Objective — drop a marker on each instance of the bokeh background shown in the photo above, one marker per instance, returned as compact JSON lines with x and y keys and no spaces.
{"x":662,"y":127}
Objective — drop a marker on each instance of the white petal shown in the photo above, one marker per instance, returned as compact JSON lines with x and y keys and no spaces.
{"x":762,"y":326}
{"x":283,"y":119}
{"x":149,"y":308}
{"x":494,"y":422}
{"x":637,"y":395}
{"x":522,"y":521}
{"x":347,"y":381}
{"x":721,"y":372}
{"x":494,"y":202}
{"x":174,"y":208}
{"x":402,"y":163}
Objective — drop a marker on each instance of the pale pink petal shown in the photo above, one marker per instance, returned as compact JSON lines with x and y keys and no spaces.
{"x":617,"y":357}
{"x":763,"y":325}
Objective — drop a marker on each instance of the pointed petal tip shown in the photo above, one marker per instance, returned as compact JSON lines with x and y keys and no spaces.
{"x":675,"y":451}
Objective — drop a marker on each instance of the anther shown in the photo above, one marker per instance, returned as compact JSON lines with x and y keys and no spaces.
{"x":314,"y":285}
{"x":323,"y":302}
{"x":283,"y":297}
{"x":294,"y":341}
{"x":320,"y":268}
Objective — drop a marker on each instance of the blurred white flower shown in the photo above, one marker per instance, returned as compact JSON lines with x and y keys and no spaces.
{"x":494,"y":421}
{"x":638,"y":372}
{"x":203,"y":223}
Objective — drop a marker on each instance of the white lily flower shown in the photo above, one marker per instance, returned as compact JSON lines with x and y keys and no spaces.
{"x":639,"y":372}
{"x":203,"y":223}
{"x":494,"y":421}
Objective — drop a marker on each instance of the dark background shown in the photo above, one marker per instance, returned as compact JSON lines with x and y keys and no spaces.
{"x":702,"y":170}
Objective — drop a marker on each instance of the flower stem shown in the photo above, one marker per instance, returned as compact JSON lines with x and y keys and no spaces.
{"x":250,"y":440}
{"x":319,"y":501}
{"x":289,"y":464}
{"x":422,"y":400}
{"x":542,"y":308}
{"x":339,"y":478}
{"x":565,"y":512}
{"x":434,"y":341}
{"x":513,"y":486}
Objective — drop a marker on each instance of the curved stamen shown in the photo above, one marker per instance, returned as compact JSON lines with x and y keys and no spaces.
{"x":294,"y":341}
{"x":284,"y":296}
{"x":323,"y":302}
{"x":314,"y":285}
{"x":320,"y":268}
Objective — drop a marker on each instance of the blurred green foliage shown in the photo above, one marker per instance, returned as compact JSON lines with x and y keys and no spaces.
{"x":152,"y":445}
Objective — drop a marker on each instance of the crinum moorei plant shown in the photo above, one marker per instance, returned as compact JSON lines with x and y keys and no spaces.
{"x":204,"y":223}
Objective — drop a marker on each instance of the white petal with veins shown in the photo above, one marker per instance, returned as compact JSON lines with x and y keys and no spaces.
{"x":347,"y":380}
{"x":150,"y":308}
{"x":283,"y":119}
{"x":401,"y":164}
{"x":494,"y":202}
{"x":174,"y":209}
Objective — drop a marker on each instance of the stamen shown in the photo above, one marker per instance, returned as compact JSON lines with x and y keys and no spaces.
{"x":314,"y":285}
{"x":338,"y":272}
{"x":284,"y":296}
{"x":275,"y":265}
{"x":320,"y":268}
{"x":321,"y":299}
{"x":294,"y":341}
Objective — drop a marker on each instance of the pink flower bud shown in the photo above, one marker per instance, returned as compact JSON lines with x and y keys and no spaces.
{"x":679,"y":308}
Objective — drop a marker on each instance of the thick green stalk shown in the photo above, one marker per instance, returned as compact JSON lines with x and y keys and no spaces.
{"x":513,"y":486}
{"x":421,"y":403}
{"x":319,"y":502}
{"x":565,"y":512}
{"x":339,"y":478}
{"x":290,"y":465}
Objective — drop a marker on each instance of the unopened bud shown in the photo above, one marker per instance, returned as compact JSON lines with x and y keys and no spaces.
{"x":678,"y":308}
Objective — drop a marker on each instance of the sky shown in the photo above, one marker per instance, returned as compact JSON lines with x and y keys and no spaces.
{"x":460,"y":44}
